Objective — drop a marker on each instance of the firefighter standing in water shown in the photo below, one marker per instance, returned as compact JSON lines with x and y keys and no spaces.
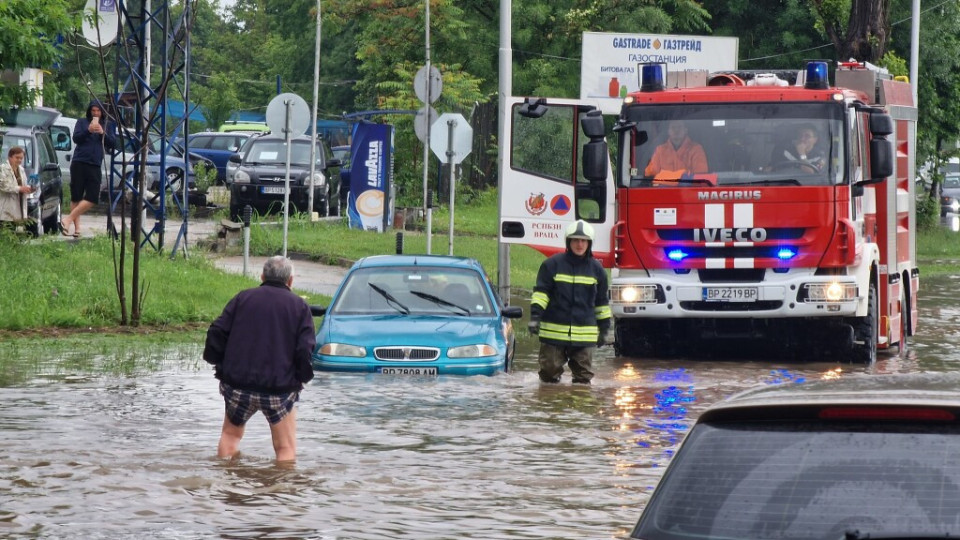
{"x":570,"y":310}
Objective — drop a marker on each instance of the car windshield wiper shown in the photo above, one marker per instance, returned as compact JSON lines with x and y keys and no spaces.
{"x":857,"y":535}
{"x":394,"y":303}
{"x":768,"y":182}
{"x":440,"y":301}
{"x":646,"y":180}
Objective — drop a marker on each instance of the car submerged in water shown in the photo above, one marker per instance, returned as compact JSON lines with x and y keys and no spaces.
{"x":421,"y":315}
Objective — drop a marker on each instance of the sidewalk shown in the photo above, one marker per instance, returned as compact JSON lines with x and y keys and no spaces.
{"x":308,"y":276}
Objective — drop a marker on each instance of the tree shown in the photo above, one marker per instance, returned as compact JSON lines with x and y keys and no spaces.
{"x":219,"y":100}
{"x":858,"y":29}
{"x":28,"y":39}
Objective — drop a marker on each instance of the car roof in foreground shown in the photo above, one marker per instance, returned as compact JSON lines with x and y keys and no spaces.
{"x":374,"y":261}
{"x":900,"y":390}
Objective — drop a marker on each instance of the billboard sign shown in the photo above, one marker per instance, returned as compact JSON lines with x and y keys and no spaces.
{"x":371,"y":176}
{"x":609,"y":67}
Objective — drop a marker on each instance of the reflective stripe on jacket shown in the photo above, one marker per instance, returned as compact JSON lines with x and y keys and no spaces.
{"x":570,"y":300}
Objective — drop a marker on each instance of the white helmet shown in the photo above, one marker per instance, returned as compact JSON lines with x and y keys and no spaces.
{"x":579,"y":229}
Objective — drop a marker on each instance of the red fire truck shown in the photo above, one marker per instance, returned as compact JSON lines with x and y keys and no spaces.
{"x":785,"y":214}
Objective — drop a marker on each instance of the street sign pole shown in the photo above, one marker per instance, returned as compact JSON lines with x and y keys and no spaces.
{"x":451,"y":125}
{"x":286,"y":179}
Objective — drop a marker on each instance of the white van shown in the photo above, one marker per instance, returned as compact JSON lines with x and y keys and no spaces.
{"x":62,"y":134}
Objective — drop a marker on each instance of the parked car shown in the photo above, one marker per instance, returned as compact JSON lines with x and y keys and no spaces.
{"x":30,"y":130}
{"x":870,"y":456}
{"x":174,"y":167}
{"x":259,"y":179}
{"x":950,"y":196}
{"x":248,"y":127}
{"x":217,"y":147}
{"x":416,"y":315}
{"x":61,"y":132}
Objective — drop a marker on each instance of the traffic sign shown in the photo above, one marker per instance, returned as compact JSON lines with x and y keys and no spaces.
{"x":299,"y":115}
{"x":462,"y":142}
{"x":422,"y":121}
{"x":420,"y":84}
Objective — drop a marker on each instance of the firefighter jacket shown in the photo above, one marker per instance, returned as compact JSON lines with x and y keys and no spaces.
{"x":570,"y":300}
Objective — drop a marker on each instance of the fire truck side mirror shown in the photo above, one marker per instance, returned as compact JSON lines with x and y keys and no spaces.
{"x":881,"y":159}
{"x":595,"y":156}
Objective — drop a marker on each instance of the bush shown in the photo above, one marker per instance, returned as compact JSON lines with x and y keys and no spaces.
{"x":928,"y":212}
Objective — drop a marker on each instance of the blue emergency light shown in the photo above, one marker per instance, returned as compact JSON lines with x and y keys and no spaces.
{"x":677,"y":255}
{"x":651,"y":77}
{"x":785,"y":254}
{"x":817,"y":76}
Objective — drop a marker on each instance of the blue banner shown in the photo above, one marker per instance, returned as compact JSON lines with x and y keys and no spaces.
{"x":370,"y":206}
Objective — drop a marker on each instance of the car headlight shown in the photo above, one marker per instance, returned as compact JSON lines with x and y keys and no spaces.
{"x":241,"y":177}
{"x":635,"y":294}
{"x":471,"y":351}
{"x":342,"y":349}
{"x":828,"y":292}
{"x":319,"y":180}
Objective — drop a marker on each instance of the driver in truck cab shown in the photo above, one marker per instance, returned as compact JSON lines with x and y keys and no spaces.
{"x":677,"y":156}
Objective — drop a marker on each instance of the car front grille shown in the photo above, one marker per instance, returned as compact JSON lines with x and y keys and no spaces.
{"x":406,"y":353}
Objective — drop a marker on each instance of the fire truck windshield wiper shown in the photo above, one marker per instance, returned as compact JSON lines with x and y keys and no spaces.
{"x":647,"y":181}
{"x":779,"y":181}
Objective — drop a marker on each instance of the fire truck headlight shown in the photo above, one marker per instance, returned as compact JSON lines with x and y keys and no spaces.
{"x":634,"y":294}
{"x":830,"y":292}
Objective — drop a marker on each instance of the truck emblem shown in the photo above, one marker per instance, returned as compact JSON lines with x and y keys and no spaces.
{"x":730,"y":235}
{"x":729,"y":195}
{"x":536,"y":204}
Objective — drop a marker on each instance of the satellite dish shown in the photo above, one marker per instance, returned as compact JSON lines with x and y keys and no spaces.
{"x":101,"y":22}
{"x":299,"y":115}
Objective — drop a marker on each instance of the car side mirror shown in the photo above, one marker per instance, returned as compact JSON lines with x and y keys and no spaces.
{"x":235,"y":158}
{"x":318,"y":311}
{"x":51,"y":167}
{"x":332,"y":163}
{"x":513,"y":312}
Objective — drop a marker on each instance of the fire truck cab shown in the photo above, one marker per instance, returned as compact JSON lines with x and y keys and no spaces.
{"x":769,"y":207}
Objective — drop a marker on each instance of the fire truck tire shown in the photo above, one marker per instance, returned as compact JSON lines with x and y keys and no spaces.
{"x":865,"y":332}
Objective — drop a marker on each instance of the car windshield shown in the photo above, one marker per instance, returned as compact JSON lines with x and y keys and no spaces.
{"x":418,"y":290}
{"x":951,"y":182}
{"x":808,"y":480}
{"x":274,"y":152}
{"x":8,"y":141}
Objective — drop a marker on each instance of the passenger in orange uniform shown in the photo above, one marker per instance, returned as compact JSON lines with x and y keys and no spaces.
{"x":678,"y":155}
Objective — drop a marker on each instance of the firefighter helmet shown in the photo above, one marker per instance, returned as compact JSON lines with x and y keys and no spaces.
{"x":580,"y":229}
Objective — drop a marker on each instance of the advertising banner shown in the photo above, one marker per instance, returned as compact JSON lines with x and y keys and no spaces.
{"x":609,"y":66}
{"x":369,"y":206}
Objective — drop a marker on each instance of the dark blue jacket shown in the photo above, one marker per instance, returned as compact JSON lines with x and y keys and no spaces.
{"x":90,"y":146}
{"x":263,"y":341}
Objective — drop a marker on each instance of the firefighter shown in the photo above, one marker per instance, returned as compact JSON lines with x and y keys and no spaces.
{"x":570,"y":310}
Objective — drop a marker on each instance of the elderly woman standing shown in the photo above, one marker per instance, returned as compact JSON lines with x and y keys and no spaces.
{"x":13,"y":188}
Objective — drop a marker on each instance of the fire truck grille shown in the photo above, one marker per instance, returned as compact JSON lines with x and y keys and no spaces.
{"x":738,"y":275}
{"x":763,"y":305}
{"x":406,"y":353}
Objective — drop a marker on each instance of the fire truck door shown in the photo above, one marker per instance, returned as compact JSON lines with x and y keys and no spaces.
{"x":542,"y":187}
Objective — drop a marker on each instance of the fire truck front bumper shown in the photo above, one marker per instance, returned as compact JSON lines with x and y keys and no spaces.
{"x":799,"y":296}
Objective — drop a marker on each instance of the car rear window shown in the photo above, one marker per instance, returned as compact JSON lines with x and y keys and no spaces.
{"x":808,"y":480}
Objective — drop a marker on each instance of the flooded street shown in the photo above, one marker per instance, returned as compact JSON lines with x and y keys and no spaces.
{"x":109,"y":453}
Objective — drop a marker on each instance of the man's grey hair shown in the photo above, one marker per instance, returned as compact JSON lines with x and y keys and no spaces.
{"x":278,"y":268}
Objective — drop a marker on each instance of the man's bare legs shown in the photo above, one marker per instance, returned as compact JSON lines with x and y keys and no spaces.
{"x":284,"y":435}
{"x":77,"y":209}
{"x":230,"y":437}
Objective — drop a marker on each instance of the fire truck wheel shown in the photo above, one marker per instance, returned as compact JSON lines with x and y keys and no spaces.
{"x":865,"y":332}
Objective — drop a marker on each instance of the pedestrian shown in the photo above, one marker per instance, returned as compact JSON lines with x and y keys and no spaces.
{"x":570,"y":310}
{"x":261,"y":347}
{"x":13,"y":189}
{"x":93,"y":136}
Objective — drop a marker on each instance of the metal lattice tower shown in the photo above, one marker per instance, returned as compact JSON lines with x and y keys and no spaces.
{"x":139,"y":103}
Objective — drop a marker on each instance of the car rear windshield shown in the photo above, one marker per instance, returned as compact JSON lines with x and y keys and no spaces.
{"x":809,"y":480}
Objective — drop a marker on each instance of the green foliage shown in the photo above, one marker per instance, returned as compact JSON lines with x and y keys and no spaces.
{"x":27,"y":40}
{"x":219,"y":100}
{"x":928,"y":213}
{"x":204,"y":177}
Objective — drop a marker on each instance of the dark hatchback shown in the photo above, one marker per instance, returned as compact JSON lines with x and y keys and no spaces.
{"x":30,"y":130}
{"x":259,"y":180}
{"x":859,"y":457}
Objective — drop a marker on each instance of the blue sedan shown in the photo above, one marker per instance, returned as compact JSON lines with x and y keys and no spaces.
{"x":416,"y":315}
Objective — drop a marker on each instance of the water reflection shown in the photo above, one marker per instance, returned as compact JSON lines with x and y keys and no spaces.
{"x":104,"y":446}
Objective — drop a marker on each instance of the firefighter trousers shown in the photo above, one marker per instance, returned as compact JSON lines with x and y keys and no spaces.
{"x":553,"y":357}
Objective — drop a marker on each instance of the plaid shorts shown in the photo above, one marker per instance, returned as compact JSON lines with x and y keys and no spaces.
{"x":241,"y":405}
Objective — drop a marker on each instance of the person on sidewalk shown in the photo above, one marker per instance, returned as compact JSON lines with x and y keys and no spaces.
{"x":260,"y":347}
{"x":93,"y":136}
{"x":570,"y":310}
{"x":13,"y":189}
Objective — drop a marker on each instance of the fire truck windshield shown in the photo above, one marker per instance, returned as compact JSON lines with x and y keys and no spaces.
{"x":718,"y":144}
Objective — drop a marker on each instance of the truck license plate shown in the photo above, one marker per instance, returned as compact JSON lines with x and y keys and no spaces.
{"x":272,"y":190}
{"x":408,"y":370}
{"x":730,"y":294}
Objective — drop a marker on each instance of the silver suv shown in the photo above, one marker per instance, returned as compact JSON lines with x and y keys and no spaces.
{"x":29,"y":129}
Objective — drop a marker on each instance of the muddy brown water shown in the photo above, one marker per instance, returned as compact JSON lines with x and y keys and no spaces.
{"x":104,"y":455}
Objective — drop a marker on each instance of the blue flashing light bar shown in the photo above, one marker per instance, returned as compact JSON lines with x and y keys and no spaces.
{"x":785,"y":254}
{"x":677,"y":255}
{"x":817,"y":76}
{"x":651,"y":77}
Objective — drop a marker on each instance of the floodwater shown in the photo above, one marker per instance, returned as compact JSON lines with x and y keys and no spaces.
{"x":106,"y":453}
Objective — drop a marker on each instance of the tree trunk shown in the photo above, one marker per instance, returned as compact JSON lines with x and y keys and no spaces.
{"x":867,"y":31}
